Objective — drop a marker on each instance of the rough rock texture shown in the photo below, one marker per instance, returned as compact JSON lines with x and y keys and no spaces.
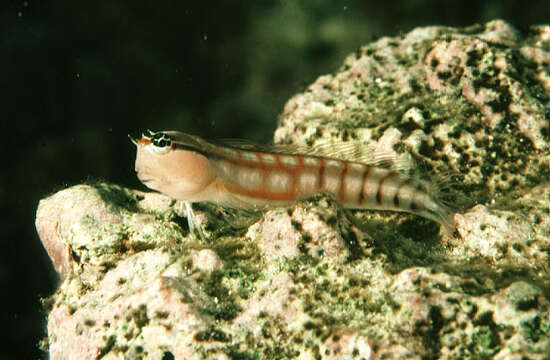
{"x":314,"y":281}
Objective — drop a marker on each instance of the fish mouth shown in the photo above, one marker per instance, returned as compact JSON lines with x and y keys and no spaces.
{"x":144,"y":178}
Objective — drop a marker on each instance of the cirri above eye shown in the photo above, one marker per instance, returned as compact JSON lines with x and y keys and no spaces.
{"x":148,"y":134}
{"x":161,"y":143}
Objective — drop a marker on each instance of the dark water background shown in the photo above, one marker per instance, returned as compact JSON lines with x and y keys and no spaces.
{"x":78,"y":76}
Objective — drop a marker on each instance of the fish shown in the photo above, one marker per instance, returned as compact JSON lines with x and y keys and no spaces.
{"x":244,"y":175}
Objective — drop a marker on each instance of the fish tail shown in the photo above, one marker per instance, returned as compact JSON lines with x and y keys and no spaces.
{"x":445,"y":216}
{"x":444,"y":200}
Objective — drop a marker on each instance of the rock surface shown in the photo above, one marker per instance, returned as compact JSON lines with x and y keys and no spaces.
{"x":313,"y":281}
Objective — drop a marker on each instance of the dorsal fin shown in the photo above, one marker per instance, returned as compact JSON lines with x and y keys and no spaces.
{"x":353,"y":151}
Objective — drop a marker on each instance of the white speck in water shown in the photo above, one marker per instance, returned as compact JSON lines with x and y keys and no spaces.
{"x":205,"y":37}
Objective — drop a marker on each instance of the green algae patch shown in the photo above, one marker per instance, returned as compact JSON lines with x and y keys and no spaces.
{"x":223,"y":305}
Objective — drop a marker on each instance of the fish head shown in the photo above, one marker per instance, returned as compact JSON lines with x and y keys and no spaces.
{"x":163,"y":165}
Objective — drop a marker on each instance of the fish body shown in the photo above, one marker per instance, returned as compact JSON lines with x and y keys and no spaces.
{"x":241,"y":175}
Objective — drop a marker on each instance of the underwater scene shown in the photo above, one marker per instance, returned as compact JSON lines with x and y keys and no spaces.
{"x":284,"y":180}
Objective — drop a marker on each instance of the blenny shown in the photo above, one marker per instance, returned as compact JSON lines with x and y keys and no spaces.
{"x":244,"y":175}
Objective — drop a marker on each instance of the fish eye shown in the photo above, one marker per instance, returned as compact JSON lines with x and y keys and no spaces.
{"x":161,"y":143}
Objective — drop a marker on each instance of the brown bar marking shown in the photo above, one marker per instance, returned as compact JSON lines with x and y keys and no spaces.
{"x":343,"y":173}
{"x":401,"y":185}
{"x":380,"y":184}
{"x":321,"y":174}
{"x":363,"y":181}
